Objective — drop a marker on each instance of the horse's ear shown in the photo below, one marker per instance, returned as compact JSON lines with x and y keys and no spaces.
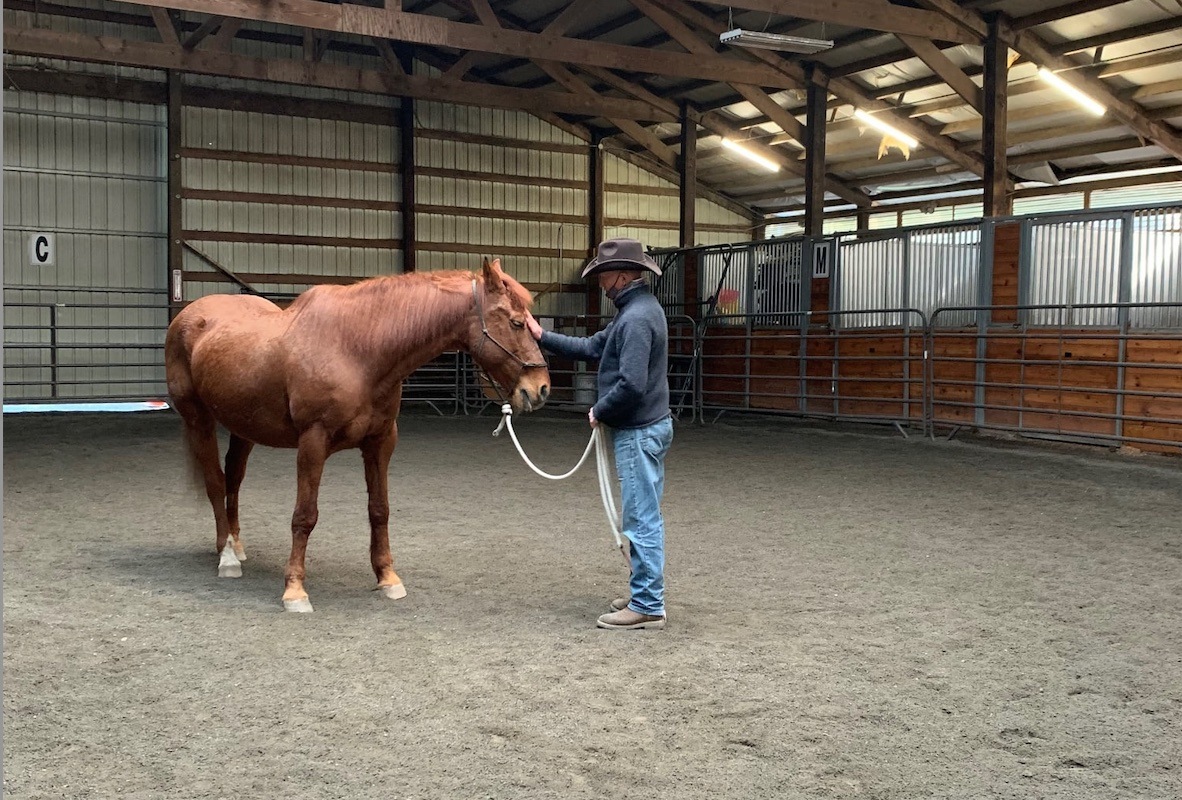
{"x":493,"y":275}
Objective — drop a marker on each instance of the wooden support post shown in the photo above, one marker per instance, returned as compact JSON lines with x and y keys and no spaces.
{"x":688,"y":172}
{"x":998,"y":202}
{"x":814,"y":159}
{"x":406,"y":162}
{"x":595,"y":221}
{"x":175,"y":206}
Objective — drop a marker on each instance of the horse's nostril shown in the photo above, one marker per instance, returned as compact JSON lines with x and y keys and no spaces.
{"x":544,"y":392}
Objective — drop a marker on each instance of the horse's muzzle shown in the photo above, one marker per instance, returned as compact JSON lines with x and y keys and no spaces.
{"x":528,"y":400}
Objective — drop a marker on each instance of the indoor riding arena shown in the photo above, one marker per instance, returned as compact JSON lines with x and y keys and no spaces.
{"x":921,"y":269}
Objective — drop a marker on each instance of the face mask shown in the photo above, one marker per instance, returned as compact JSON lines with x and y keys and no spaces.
{"x":615,"y":290}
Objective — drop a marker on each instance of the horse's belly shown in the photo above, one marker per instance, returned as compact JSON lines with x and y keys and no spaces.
{"x":245,"y":391}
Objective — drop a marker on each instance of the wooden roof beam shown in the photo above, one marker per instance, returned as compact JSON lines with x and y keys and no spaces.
{"x":859,"y":14}
{"x":943,"y":66}
{"x":103,"y":49}
{"x":694,"y":43}
{"x":1034,"y":49}
{"x":846,"y":90}
{"x":564,"y":77}
{"x":349,"y":18}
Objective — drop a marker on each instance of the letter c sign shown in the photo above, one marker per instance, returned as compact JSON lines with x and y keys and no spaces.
{"x":41,"y":249}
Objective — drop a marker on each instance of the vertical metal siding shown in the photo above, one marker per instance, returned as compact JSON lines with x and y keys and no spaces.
{"x":91,"y":173}
{"x":871,"y":277}
{"x":1074,"y":262}
{"x":1157,"y":267}
{"x":776,"y":293}
{"x":945,"y":263}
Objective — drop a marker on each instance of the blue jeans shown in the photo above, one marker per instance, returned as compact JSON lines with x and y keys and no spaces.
{"x":640,"y":464}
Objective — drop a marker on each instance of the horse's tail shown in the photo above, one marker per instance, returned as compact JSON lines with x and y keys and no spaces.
{"x":183,"y":395}
{"x":195,"y":472}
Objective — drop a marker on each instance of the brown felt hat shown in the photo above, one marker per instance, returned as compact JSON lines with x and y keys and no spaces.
{"x":620,"y":254}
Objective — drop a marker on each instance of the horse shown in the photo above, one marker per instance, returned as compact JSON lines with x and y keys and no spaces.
{"x":325,"y":375}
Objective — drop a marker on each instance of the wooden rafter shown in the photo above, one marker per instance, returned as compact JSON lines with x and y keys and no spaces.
{"x":439,"y":32}
{"x":943,"y":66}
{"x":565,"y":78}
{"x":211,"y":24}
{"x":164,"y":24}
{"x":694,"y":43}
{"x":102,"y":49}
{"x":1033,"y":48}
{"x":884,"y":17}
{"x":846,"y":90}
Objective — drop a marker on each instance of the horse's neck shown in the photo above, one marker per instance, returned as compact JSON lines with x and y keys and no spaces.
{"x":403,"y":325}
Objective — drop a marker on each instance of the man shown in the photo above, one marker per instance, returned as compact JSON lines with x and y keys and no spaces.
{"x":634,"y":401}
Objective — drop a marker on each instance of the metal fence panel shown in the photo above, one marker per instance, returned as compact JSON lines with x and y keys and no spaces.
{"x":725,"y":275}
{"x":776,"y":293}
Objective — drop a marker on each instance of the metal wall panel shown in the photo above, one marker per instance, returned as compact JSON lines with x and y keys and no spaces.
{"x":273,"y":134}
{"x":1074,"y":262}
{"x":509,"y":180}
{"x":871,"y":273}
{"x":945,"y":265}
{"x":90,"y":173}
{"x":24,"y":19}
{"x":1156,"y":267}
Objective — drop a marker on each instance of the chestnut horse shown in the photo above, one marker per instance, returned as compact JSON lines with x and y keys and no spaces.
{"x":325,"y":375}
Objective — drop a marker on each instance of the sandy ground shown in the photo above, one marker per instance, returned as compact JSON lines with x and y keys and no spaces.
{"x":853,"y":615}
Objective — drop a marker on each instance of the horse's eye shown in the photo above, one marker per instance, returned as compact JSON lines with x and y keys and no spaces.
{"x":518,"y":323}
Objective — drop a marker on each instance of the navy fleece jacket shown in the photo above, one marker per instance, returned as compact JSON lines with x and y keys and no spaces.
{"x":633,"y":355}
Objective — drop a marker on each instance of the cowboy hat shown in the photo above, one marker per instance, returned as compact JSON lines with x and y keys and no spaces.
{"x":620,"y":254}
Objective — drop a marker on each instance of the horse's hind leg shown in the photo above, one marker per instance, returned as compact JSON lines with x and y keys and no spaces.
{"x":236,"y":457}
{"x":310,"y":458}
{"x":376,"y":453}
{"x":201,"y":433}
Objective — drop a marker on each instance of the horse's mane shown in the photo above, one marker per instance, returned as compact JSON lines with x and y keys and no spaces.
{"x":426,"y":303}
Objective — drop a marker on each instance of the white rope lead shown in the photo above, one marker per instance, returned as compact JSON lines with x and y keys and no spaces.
{"x":602,"y":464}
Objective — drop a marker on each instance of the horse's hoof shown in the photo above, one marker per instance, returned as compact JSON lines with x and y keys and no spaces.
{"x":301,"y":606}
{"x":229,"y":566}
{"x":394,"y":591}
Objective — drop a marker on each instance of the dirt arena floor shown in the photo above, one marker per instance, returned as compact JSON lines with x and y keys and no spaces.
{"x":853,"y":615}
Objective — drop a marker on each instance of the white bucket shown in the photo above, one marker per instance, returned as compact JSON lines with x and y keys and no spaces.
{"x":585,"y":389}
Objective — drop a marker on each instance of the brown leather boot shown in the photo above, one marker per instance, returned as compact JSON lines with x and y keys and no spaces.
{"x":620,"y":603}
{"x":629,"y":620}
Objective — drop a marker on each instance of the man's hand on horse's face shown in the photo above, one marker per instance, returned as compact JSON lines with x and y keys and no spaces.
{"x":535,"y":330}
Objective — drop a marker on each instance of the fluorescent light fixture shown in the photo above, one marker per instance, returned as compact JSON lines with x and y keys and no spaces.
{"x":735,"y":147}
{"x":1066,"y":88}
{"x":875,"y":122}
{"x":774,"y":41}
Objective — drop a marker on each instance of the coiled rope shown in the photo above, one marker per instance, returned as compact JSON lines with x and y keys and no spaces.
{"x":598,"y":441}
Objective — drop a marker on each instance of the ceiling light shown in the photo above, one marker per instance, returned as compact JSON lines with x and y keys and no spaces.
{"x":774,"y":41}
{"x":1075,"y":94}
{"x":766,"y":163}
{"x":875,"y":122}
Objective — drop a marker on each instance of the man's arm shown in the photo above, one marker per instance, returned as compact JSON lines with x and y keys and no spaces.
{"x":579,"y":348}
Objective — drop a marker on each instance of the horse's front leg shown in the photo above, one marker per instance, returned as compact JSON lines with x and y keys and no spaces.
{"x":313,"y":452}
{"x":376,"y":452}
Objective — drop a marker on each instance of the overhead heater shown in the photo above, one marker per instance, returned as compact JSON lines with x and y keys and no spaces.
{"x":773,"y":41}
